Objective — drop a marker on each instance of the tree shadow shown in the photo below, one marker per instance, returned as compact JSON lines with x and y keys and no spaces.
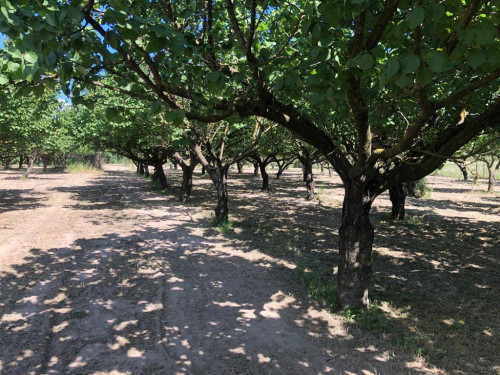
{"x":167,"y":301}
{"x":20,"y":199}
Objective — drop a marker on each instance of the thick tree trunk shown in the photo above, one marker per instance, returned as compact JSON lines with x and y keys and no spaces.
{"x":96,"y":161}
{"x":162,"y":179}
{"x":255,"y":169}
{"x":398,"y":199}
{"x":356,"y":240}
{"x":239,"y":165}
{"x":265,"y":176}
{"x":146,"y":171}
{"x":309,"y":180}
{"x":141,"y":169}
{"x":20,"y":162}
{"x":187,"y":183}
{"x":222,"y":210}
{"x":203,"y":171}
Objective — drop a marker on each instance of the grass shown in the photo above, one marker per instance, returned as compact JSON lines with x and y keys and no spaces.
{"x":82,"y":168}
{"x":450,"y":169}
{"x":320,"y":287}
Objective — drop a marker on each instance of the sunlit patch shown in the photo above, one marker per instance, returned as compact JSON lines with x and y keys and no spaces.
{"x":121,"y":326}
{"x":78,"y":362}
{"x":238,"y":350}
{"x":135,"y":353}
{"x":58,"y":328}
{"x":149,"y":307}
{"x":304,"y":363}
{"x":263,"y":359}
{"x":12,"y":317}
{"x":279,"y":301}
{"x":119,"y":343}
{"x":227,"y":304}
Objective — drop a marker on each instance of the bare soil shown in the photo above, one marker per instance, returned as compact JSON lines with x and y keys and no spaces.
{"x":101,"y":274}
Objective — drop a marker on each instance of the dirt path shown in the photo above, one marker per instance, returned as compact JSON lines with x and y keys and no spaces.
{"x":98,"y":275}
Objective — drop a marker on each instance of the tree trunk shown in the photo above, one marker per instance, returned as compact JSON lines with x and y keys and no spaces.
{"x":239,"y":165}
{"x":161,"y":175}
{"x":356,"y":240}
{"x":203,"y":170}
{"x":309,"y":180}
{"x":187,"y":183}
{"x":20,"y":161}
{"x":492,"y":169}
{"x":463,"y":169}
{"x":146,"y":171}
{"x":96,"y":161}
{"x":222,"y":210}
{"x":265,"y":176}
{"x":398,"y":199}
{"x":255,"y":169}
{"x":141,"y":169}
{"x":30,"y":166}
{"x":322,"y":167}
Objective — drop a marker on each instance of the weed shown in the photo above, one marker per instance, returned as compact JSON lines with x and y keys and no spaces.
{"x":413,"y":220}
{"x":82,"y":168}
{"x":321,"y":288}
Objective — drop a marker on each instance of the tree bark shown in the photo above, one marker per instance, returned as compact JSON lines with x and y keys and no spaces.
{"x":187,"y":183}
{"x":309,"y":179}
{"x":203,"y":171}
{"x":20,"y":161}
{"x":398,"y":199}
{"x":222,"y":210}
{"x":355,"y":246}
{"x":239,"y":165}
{"x":30,"y":166}
{"x":162,"y":179}
{"x":492,"y":169}
{"x":146,"y":171}
{"x":96,"y":161}
{"x":141,"y":169}
{"x":265,"y":176}
{"x":463,"y":169}
{"x":255,"y":169}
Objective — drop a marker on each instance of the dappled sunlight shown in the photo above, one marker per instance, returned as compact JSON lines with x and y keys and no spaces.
{"x":160,"y":290}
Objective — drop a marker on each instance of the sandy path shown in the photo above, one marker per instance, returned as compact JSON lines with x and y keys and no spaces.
{"x":100,"y":276}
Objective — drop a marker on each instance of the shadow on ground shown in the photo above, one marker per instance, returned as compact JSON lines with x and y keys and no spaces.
{"x":171,"y":298}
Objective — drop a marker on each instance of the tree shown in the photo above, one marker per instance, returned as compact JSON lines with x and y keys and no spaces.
{"x":368,"y":84}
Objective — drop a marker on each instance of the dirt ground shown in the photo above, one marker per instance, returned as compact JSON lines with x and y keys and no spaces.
{"x":101,"y":274}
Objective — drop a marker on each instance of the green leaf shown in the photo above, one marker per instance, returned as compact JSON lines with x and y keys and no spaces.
{"x":327,"y":40}
{"x":415,"y":17}
{"x":155,"y":108}
{"x":75,"y":13}
{"x":410,"y":64}
{"x":316,"y":98}
{"x":31,"y":57}
{"x":364,"y":61}
{"x":51,"y":58}
{"x":424,"y":76}
{"x":392,"y":67}
{"x":440,"y":62}
{"x":477,"y":59}
{"x":4,"y":80}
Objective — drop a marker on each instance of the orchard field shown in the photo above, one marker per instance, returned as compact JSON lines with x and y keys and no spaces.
{"x":249,"y":187}
{"x":103,"y":273}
